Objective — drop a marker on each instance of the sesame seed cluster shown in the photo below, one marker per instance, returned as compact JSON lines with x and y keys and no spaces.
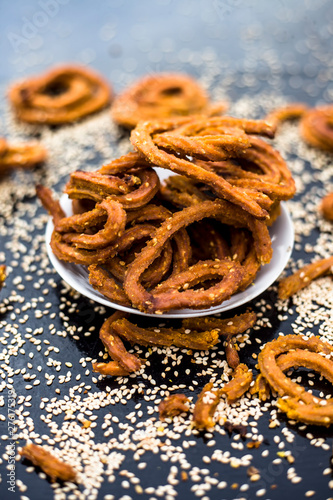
{"x":109,"y":429}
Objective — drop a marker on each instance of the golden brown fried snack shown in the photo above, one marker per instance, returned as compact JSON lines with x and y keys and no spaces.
{"x":114,"y":345}
{"x":303,"y":277}
{"x":22,"y":155}
{"x":316,"y":128}
{"x":63,"y":250}
{"x":75,"y":227}
{"x":179,"y":291}
{"x":195,"y":333}
{"x":165,"y":336}
{"x":261,"y":387}
{"x":168,"y":144}
{"x":2,"y":275}
{"x":161,"y":96}
{"x":273,"y":178}
{"x":222,"y":210}
{"x":320,"y":413}
{"x":51,"y":205}
{"x":205,"y":407}
{"x":52,"y":466}
{"x":293,"y":351}
{"x":291,"y":111}
{"x":274,"y":375}
{"x":62,"y":95}
{"x":101,"y":280}
{"x":231,"y":353}
{"x":112,"y":368}
{"x":326,"y":207}
{"x":226,"y":327}
{"x":295,"y":359}
{"x":240,"y":383}
{"x":68,"y":253}
{"x":136,"y":192}
{"x":173,"y":405}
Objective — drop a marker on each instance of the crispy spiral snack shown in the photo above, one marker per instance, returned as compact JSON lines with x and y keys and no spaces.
{"x":132,"y":192}
{"x":62,"y":95}
{"x":192,"y":242}
{"x":73,"y":227}
{"x":212,"y":143}
{"x":194,"y":333}
{"x":295,"y":351}
{"x":317,"y":128}
{"x":23,"y":155}
{"x":291,"y":111}
{"x":162,"y":96}
{"x":109,"y":236}
{"x":168,"y":296}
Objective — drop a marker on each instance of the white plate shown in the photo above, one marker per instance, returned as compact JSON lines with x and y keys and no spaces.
{"x":282,"y":235}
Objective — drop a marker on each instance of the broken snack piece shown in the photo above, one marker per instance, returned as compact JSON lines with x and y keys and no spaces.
{"x":205,"y":407}
{"x":303,"y":277}
{"x":239,"y":384}
{"x":173,"y":405}
{"x":2,"y":275}
{"x":52,"y":466}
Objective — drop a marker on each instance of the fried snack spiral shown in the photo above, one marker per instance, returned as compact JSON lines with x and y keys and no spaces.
{"x":62,"y":95}
{"x":68,"y":252}
{"x":162,"y":96}
{"x":101,"y":280}
{"x":274,"y":375}
{"x":52,"y":466}
{"x":295,"y":351}
{"x":291,"y":111}
{"x":23,"y":155}
{"x":295,"y":359}
{"x":326,"y":207}
{"x":317,"y":128}
{"x":173,"y":298}
{"x":168,"y":143}
{"x":165,"y":336}
{"x":75,"y":227}
{"x":115,"y":346}
{"x":133,"y":192}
